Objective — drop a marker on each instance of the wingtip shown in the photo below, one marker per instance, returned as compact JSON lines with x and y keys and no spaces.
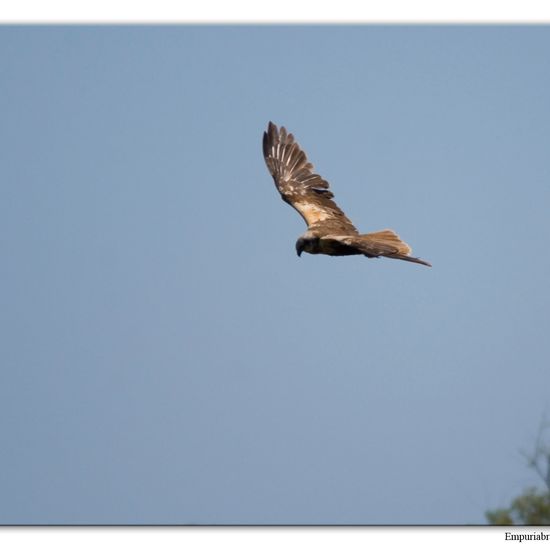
{"x":271,"y":133}
{"x":271,"y":136}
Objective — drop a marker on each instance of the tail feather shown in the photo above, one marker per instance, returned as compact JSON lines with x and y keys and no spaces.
{"x":409,"y":259}
{"x":387,"y":243}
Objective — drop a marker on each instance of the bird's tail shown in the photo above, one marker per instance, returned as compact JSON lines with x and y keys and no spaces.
{"x":387,"y":243}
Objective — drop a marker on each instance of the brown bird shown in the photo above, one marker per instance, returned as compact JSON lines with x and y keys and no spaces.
{"x":328,"y":229}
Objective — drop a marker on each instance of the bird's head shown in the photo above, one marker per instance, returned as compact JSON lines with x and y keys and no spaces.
{"x":307,"y":243}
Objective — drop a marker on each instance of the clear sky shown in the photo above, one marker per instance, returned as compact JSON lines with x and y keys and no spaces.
{"x":167,"y":358}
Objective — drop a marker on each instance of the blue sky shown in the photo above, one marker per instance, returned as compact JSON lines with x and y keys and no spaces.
{"x":167,"y":357}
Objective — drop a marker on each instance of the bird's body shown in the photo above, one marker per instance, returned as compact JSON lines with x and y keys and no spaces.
{"x":329,"y":230}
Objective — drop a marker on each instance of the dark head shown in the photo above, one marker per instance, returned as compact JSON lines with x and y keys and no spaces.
{"x":307,"y":243}
{"x":300,"y":245}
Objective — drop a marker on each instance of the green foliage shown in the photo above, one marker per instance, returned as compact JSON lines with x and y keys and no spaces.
{"x":530,"y":508}
{"x":533,"y":506}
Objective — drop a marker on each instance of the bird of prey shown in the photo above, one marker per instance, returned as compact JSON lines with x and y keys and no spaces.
{"x":329,"y":231}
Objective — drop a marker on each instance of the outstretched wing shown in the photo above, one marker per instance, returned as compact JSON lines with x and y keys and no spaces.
{"x":299,"y":186}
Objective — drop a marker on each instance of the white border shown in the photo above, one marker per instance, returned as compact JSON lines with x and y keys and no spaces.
{"x":275,"y":11}
{"x":266,"y":538}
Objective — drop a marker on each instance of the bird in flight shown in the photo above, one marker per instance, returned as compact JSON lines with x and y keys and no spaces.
{"x":329,"y":231}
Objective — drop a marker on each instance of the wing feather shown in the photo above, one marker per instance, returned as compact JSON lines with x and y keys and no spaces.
{"x":299,"y":185}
